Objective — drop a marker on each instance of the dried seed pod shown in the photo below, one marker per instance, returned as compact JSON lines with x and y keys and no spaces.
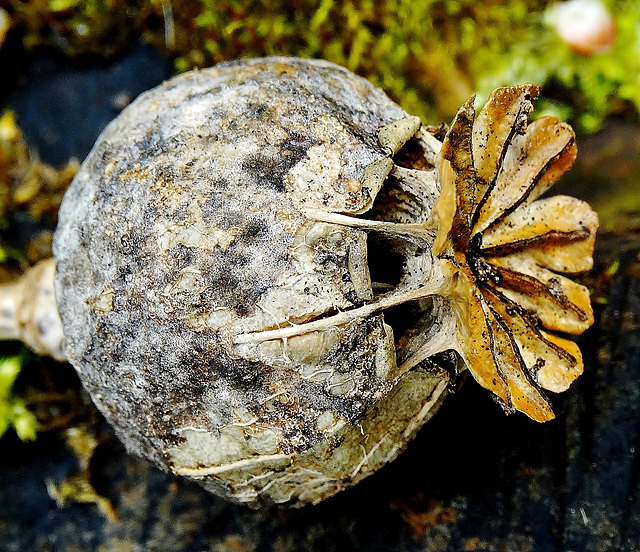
{"x":254,"y":272}
{"x":197,"y":219}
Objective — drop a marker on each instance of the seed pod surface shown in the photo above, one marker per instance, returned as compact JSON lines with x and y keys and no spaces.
{"x":199,"y":219}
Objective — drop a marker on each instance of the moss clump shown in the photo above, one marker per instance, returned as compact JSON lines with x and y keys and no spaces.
{"x":82,"y":442}
{"x":429,"y":55}
{"x":13,"y":411}
{"x":590,"y":87}
{"x":103,"y":27}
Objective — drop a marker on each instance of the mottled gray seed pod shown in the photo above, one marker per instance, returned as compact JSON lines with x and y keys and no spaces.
{"x":203,"y":216}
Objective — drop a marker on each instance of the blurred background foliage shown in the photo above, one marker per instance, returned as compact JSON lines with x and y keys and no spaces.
{"x":429,"y":55}
{"x":13,"y":411}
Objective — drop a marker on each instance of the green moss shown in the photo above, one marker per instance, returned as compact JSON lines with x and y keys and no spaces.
{"x":591,"y":86}
{"x":429,"y":55}
{"x":13,"y":412}
{"x":103,"y":27}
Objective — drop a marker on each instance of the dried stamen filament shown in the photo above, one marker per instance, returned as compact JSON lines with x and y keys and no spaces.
{"x":342,"y":318}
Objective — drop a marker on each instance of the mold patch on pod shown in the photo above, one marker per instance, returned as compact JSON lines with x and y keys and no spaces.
{"x":199,"y":217}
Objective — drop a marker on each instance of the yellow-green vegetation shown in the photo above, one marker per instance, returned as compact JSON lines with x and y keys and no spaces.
{"x":103,"y":27}
{"x":13,"y":411}
{"x":77,"y":488}
{"x":591,"y":86}
{"x":428,"y":55}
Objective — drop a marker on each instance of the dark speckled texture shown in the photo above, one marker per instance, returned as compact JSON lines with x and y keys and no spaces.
{"x":184,"y":227}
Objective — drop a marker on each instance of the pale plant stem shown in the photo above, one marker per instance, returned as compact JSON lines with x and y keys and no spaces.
{"x":28,"y":311}
{"x":11,"y":296}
